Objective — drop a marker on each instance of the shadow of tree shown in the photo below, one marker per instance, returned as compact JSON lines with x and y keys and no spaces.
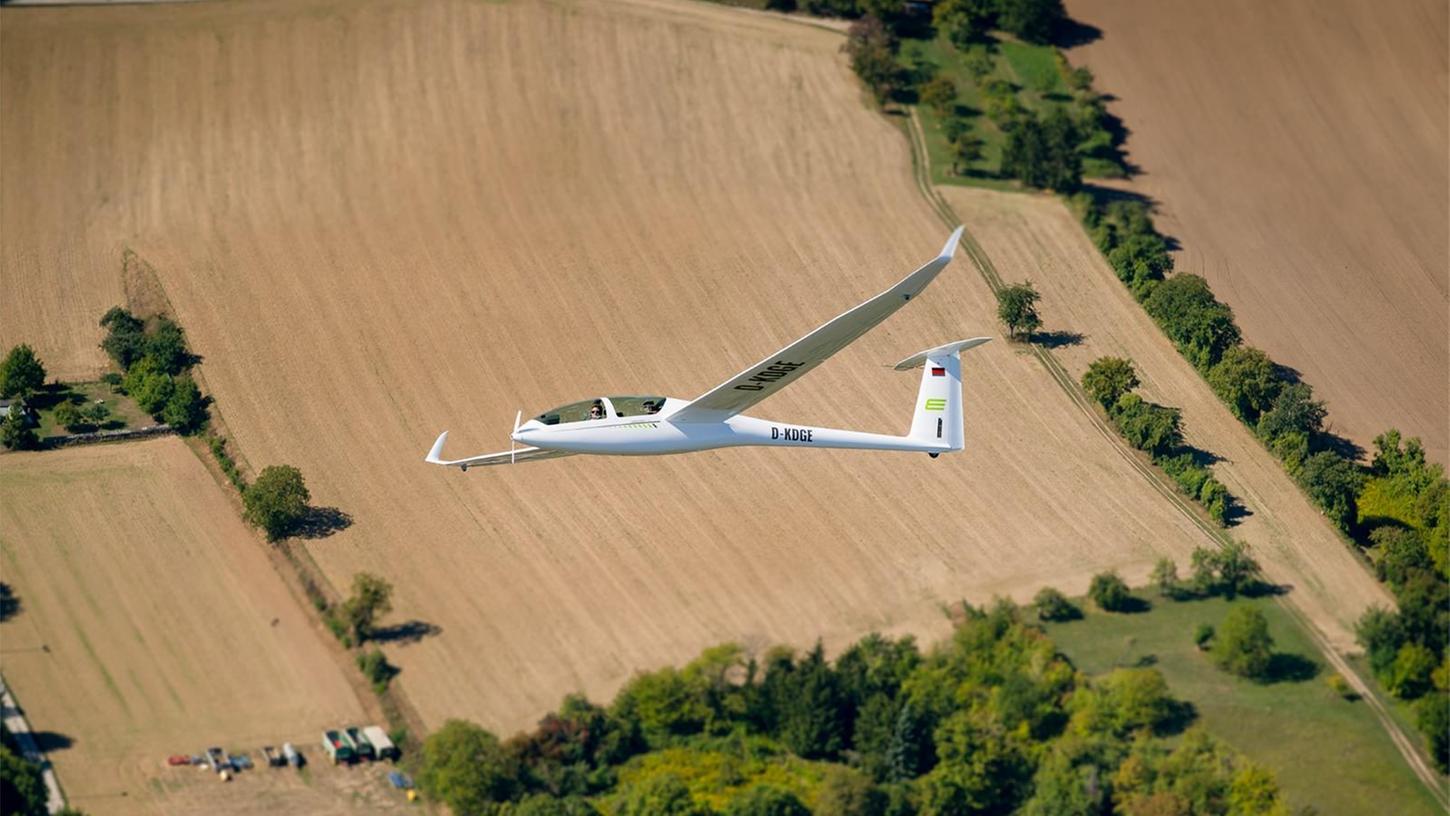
{"x":321,"y":522}
{"x":48,"y":741}
{"x":1057,"y":339}
{"x":405,"y":633}
{"x":1181,"y":714}
{"x":9,"y":602}
{"x":1290,"y":668}
{"x":1069,"y":33}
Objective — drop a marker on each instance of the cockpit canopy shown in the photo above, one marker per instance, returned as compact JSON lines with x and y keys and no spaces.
{"x":602,"y":408}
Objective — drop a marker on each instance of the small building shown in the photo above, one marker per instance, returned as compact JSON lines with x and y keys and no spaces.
{"x":15,"y":404}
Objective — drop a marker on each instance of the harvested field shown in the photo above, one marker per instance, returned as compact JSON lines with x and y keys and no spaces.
{"x":152,"y":623}
{"x":1300,"y":152}
{"x":380,"y":222}
{"x":1036,"y":238}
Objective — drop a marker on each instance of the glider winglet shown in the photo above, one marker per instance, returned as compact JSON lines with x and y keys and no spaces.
{"x":951,"y":246}
{"x":435,"y":455}
{"x":920,"y":357}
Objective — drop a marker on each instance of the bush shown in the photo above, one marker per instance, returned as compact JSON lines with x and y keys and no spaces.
{"x":1432,"y":716}
{"x":21,"y":373}
{"x":1246,"y":381}
{"x":1107,"y":379}
{"x":1154,"y":429}
{"x":1243,"y":645}
{"x":1340,"y":686}
{"x":1202,"y":634}
{"x":1294,"y":411}
{"x":218,"y":447}
{"x":1109,"y":592}
{"x":1165,"y":577}
{"x":376,"y":668}
{"x":1032,"y":20}
{"x":939,"y":93}
{"x":277,"y":501}
{"x":1410,"y":673}
{"x":1201,"y":326}
{"x":371,"y":599}
{"x":69,"y":416}
{"x":1054,"y":606}
{"x":1332,"y":482}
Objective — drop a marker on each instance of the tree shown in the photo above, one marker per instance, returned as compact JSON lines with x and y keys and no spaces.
{"x":69,"y":416}
{"x":148,"y":385}
{"x":1201,"y":326}
{"x":277,"y":500}
{"x":940,"y":93}
{"x":1243,"y":645}
{"x":846,"y":791}
{"x":371,"y":599}
{"x":1165,"y":577}
{"x":1017,"y":308}
{"x":1237,"y":570}
{"x":1109,"y":592}
{"x":872,"y":51}
{"x":910,"y":751}
{"x":1294,"y":410}
{"x":1052,"y":605}
{"x":1244,"y":378}
{"x":21,"y":373}
{"x":1255,"y":792}
{"x":15,"y":431}
{"x":1410,"y":674}
{"x":964,"y":21}
{"x":465,"y":767}
{"x":1333,"y":482}
{"x":1156,"y":429}
{"x":167,"y":346}
{"x":979,"y":62}
{"x":966,"y":151}
{"x":813,"y":709}
{"x":125,"y":340}
{"x":96,"y":413}
{"x":761,"y":799}
{"x":1379,"y":631}
{"x":1043,"y":154}
{"x":22,"y":789}
{"x":185,"y":409}
{"x":1107,"y":379}
{"x":660,"y":795}
{"x":1432,"y":716}
{"x":545,"y":805}
{"x":1032,"y":20}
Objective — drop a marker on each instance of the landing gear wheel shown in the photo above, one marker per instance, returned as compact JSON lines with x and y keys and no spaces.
{"x":933,"y":455}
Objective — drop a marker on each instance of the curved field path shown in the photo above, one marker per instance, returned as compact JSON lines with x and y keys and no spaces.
{"x":1300,"y":152}
{"x":380,"y":222}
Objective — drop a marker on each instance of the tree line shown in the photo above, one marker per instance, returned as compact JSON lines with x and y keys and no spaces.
{"x":1396,"y":511}
{"x":993,"y":720}
{"x":1157,"y":430}
{"x":155,"y":365}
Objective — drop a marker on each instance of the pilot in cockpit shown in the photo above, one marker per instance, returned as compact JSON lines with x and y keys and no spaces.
{"x":596,"y":411}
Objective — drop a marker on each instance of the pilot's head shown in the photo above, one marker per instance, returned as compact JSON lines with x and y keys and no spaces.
{"x":595,"y":412}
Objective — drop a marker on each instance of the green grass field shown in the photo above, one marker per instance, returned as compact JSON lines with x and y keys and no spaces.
{"x":124,"y":412}
{"x":1328,"y":752}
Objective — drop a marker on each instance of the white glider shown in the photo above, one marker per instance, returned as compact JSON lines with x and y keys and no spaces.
{"x":645,"y":425}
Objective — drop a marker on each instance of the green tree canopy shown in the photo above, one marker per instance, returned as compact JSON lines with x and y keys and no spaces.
{"x":465,"y":767}
{"x":1165,"y":577}
{"x":1245,"y":379}
{"x":1017,"y":308}
{"x":1333,"y":482}
{"x":762,"y":799}
{"x":185,"y":409}
{"x":125,"y":340}
{"x":16,"y":433}
{"x":1109,"y":592}
{"x":22,"y":789}
{"x":21,"y":372}
{"x":1243,"y":645}
{"x":939,"y":93}
{"x":277,"y":501}
{"x":1052,"y":605}
{"x":871,"y":48}
{"x":660,"y":795}
{"x":371,"y":599}
{"x":1032,"y":20}
{"x":167,"y":346}
{"x":1107,"y":379}
{"x":845,"y":791}
{"x":1201,"y":326}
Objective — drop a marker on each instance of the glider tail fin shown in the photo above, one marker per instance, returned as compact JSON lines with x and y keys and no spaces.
{"x":937,"y":417}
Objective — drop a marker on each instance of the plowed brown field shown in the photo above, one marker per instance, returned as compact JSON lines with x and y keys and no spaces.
{"x":379,"y":222}
{"x":152,"y":623}
{"x":1300,"y":151}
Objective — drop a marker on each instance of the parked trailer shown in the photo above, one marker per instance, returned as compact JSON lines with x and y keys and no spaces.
{"x":361,"y":743}
{"x":292,"y":755}
{"x":273,"y":757}
{"x":381,"y":743}
{"x":338,"y":747}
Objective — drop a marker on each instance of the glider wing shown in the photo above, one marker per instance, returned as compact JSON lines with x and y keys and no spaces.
{"x":435,"y":456}
{"x":792,"y":362}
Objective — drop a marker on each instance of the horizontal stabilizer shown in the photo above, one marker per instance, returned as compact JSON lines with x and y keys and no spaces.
{"x":921,"y":356}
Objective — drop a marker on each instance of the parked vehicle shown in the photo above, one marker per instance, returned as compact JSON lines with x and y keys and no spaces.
{"x":292,"y":755}
{"x":273,"y":757}
{"x":217,"y":759}
{"x":382,"y":744}
{"x":360,"y":743}
{"x":338,"y":747}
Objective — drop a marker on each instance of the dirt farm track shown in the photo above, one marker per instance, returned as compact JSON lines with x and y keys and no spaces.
{"x":380,"y":222}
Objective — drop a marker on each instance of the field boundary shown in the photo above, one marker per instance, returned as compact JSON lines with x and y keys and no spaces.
{"x":1407,"y":746}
